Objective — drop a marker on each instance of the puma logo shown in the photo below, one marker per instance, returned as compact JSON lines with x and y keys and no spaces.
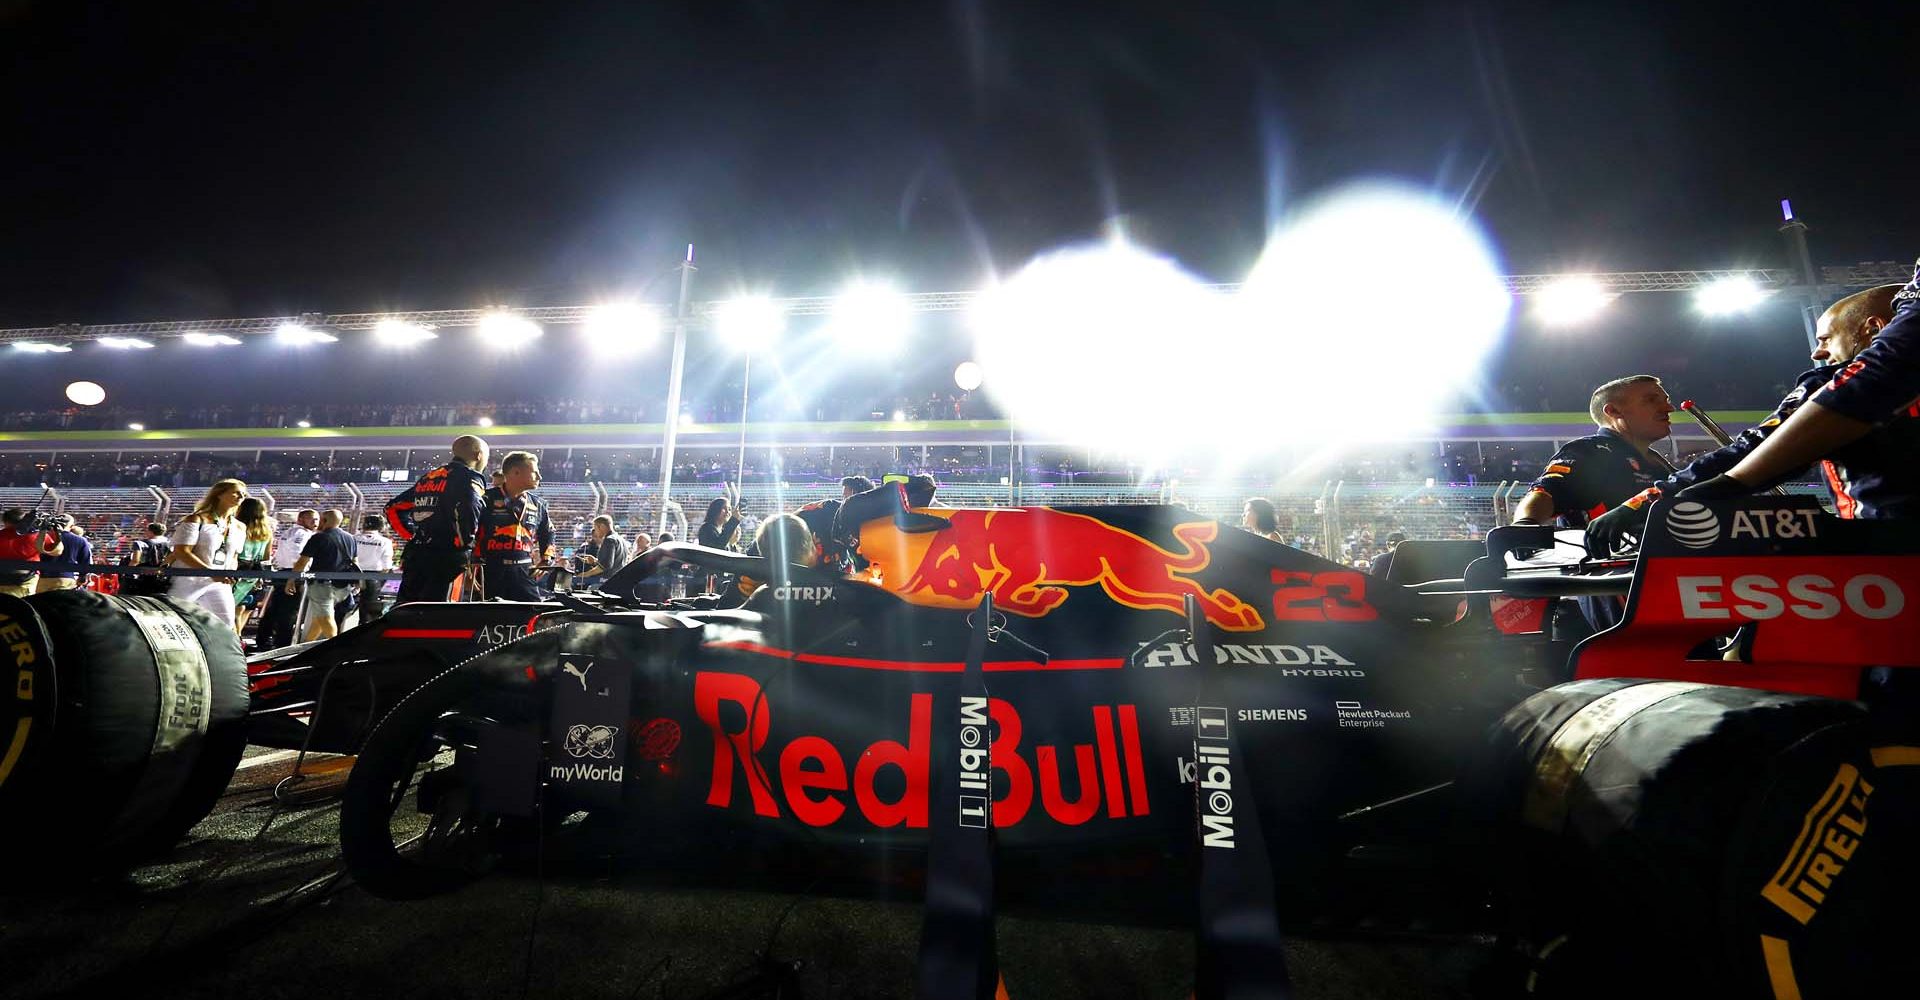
{"x":577,"y":672}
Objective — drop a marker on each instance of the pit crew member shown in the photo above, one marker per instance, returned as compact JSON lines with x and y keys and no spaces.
{"x":1879,"y":384}
{"x":516,"y":532}
{"x":438,"y":518}
{"x":1872,"y":477}
{"x":1589,"y":476}
{"x":329,"y":550}
{"x":819,"y":517}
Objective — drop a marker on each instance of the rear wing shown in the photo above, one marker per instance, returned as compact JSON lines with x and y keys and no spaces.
{"x":1820,"y":598}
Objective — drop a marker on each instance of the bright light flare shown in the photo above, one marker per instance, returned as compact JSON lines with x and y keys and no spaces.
{"x":485,"y":421}
{"x":41,"y":347}
{"x":298,"y":335}
{"x":1330,"y":349}
{"x":621,"y":328}
{"x":1103,"y":345}
{"x":1730,"y":296}
{"x":198,"y":339}
{"x":400,"y":333}
{"x":126,"y":343}
{"x":1571,"y":300}
{"x":303,"y":424}
{"x":86,"y":393}
{"x":968,"y":376}
{"x":507,"y":331}
{"x":136,"y":427}
{"x":871,"y":317}
{"x":750,"y":324}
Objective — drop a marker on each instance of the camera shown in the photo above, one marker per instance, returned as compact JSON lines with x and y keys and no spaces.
{"x":28,"y":522}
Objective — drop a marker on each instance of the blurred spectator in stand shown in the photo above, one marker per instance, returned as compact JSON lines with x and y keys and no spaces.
{"x":153,"y":550}
{"x":63,"y":572}
{"x":920,"y":490}
{"x":1383,"y":563}
{"x":277,"y":623}
{"x":209,"y":538}
{"x":328,"y":550}
{"x":1259,"y":517}
{"x":373,"y":551}
{"x":253,"y":555}
{"x":603,"y":555}
{"x":721,"y":529}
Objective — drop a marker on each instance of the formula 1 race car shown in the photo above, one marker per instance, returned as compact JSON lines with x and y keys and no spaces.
{"x":1135,"y":697}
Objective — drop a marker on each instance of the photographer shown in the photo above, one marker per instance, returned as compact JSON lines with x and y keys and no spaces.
{"x":26,"y":537}
{"x":63,"y":572}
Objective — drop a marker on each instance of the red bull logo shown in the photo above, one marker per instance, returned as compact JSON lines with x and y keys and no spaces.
{"x":810,"y":778}
{"x":1028,"y":557}
{"x":509,"y":538}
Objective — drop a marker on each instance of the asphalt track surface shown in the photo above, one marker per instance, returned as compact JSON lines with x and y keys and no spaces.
{"x":251,"y":905}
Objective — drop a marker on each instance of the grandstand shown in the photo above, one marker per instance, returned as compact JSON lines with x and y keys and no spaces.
{"x":1452,"y":483}
{"x":1344,"y":520}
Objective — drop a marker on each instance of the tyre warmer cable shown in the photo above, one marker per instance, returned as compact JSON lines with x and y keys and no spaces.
{"x":958,"y":960}
{"x":1238,"y":953}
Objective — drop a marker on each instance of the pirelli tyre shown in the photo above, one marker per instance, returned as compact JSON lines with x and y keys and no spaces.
{"x":124,"y":723}
{"x":1702,"y":840}
{"x":413,"y":822}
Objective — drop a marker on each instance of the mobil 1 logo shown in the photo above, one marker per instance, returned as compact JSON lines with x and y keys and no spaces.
{"x":586,"y":742}
{"x":1213,"y":765}
{"x":976,"y":773}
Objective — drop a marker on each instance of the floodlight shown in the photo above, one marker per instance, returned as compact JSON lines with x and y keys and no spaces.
{"x":86,"y":393}
{"x":750,"y":324}
{"x":1063,"y":333}
{"x":686,"y":419}
{"x":198,"y":339}
{"x":300,"y":335}
{"x":126,"y":343}
{"x":303,"y":424}
{"x":1296,"y":311}
{"x":136,"y":427}
{"x":968,"y":376}
{"x":508,"y":331}
{"x":617,"y":328}
{"x":871,"y":316}
{"x":1729,"y":296}
{"x":485,"y":421}
{"x":1575,"y":298}
{"x":41,"y":347}
{"x":399,"y":333}
{"x":899,"y":416}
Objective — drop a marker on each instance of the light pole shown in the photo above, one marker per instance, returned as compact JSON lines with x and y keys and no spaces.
{"x":1796,"y":233}
{"x":740,"y":468}
{"x":748,"y":325}
{"x":674,"y":374}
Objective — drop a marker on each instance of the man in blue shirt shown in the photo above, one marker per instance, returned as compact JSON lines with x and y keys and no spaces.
{"x":62,"y":572}
{"x":1881,"y":383}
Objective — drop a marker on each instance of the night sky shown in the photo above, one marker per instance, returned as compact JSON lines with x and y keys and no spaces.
{"x":209,"y":159}
{"x":181,"y":161}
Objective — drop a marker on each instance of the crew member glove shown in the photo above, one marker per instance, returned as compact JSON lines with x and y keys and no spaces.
{"x":1606,"y":533}
{"x":1716,"y":490}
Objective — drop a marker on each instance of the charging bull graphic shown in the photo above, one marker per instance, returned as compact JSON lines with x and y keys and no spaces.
{"x":513,"y":538}
{"x":1027,"y":557}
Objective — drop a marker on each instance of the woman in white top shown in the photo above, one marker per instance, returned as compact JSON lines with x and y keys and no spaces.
{"x":210,"y":538}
